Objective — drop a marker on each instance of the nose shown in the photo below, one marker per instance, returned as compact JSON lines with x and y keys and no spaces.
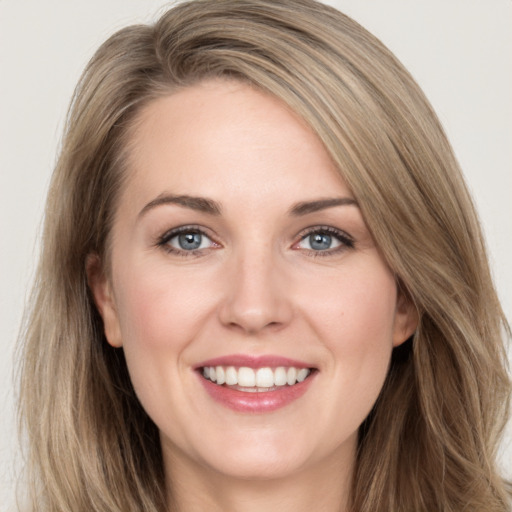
{"x":257,"y":295}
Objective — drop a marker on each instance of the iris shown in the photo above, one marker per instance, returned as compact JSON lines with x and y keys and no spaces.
{"x":190,"y":241}
{"x":320,"y":241}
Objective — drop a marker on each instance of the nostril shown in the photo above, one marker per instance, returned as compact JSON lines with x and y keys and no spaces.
{"x":256,"y":298}
{"x":253,"y":320}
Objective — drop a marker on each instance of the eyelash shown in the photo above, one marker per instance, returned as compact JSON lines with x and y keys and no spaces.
{"x":346,"y":241}
{"x":163,"y":241}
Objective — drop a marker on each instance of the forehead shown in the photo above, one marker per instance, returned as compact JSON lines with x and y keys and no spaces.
{"x":221,"y":139}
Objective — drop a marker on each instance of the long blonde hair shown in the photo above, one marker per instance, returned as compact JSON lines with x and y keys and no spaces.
{"x":430,"y":441}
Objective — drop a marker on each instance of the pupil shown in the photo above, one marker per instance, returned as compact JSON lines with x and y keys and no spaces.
{"x":320,"y":241}
{"x":190,"y":241}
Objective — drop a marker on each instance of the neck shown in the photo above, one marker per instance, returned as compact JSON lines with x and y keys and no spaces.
{"x":324,"y":486}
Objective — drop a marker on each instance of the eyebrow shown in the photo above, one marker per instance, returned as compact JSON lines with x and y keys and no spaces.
{"x":200,"y":204}
{"x":305,"y":207}
{"x":211,"y":207}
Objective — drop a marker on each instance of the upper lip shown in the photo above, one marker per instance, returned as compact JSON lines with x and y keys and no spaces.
{"x":252,"y":361}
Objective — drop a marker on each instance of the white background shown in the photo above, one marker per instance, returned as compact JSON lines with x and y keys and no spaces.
{"x":460,"y":51}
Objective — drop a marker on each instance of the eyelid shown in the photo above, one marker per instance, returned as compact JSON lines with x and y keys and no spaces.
{"x":346,"y":240}
{"x":163,"y":240}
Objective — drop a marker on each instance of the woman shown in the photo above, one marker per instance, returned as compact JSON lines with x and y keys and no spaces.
{"x":262,"y":283}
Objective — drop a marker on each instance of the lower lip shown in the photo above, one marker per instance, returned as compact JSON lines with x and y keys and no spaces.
{"x":258,"y":402}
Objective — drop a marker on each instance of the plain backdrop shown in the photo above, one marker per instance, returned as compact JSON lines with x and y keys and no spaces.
{"x":460,"y":52}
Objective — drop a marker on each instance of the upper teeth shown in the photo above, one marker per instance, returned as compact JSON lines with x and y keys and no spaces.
{"x":260,"y":378}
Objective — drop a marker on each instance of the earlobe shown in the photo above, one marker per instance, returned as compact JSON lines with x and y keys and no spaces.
{"x":101,"y":290}
{"x":406,"y":319}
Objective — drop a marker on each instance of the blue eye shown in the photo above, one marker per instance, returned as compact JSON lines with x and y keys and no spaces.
{"x":320,"y":241}
{"x":327,"y":240}
{"x":188,"y":241}
{"x":185,"y":240}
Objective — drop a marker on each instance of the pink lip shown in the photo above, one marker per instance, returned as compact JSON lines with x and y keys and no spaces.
{"x":253,"y":361}
{"x":258,"y":402}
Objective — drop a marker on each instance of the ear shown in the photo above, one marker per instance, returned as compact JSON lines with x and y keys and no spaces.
{"x":406,"y":318}
{"x":101,"y":289}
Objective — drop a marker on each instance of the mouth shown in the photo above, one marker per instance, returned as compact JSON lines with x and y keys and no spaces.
{"x":255,"y":384}
{"x":255,"y":380}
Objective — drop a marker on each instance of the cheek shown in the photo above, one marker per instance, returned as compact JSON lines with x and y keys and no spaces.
{"x":159,"y":316}
{"x":355,"y":319}
{"x":158,"y":309}
{"x":366,"y":316}
{"x":356,"y":308}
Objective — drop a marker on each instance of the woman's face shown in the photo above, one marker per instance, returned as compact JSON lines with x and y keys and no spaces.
{"x":238,"y":248}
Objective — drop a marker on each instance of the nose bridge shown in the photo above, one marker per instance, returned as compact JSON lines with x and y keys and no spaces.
{"x":256,"y":295}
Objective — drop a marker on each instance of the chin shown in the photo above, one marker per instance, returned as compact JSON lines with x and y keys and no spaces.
{"x":261,"y":466}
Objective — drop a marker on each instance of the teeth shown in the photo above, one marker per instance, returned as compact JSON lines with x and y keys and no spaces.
{"x":291,"y":376}
{"x":231,"y":376}
{"x":253,"y":379}
{"x":221,"y":375}
{"x":246,"y":377}
{"x":264,"y":378}
{"x":302,"y":374}
{"x":280,"y":376}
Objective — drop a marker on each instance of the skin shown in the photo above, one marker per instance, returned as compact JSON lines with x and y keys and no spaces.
{"x":255,"y":287}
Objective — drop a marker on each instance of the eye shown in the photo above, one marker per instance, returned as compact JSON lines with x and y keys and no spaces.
{"x":189,"y":241}
{"x":324,"y":240}
{"x":186,"y":240}
{"x":319,"y":242}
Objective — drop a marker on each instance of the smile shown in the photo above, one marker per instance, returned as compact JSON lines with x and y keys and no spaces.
{"x":252,"y":380}
{"x":255,"y":384}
